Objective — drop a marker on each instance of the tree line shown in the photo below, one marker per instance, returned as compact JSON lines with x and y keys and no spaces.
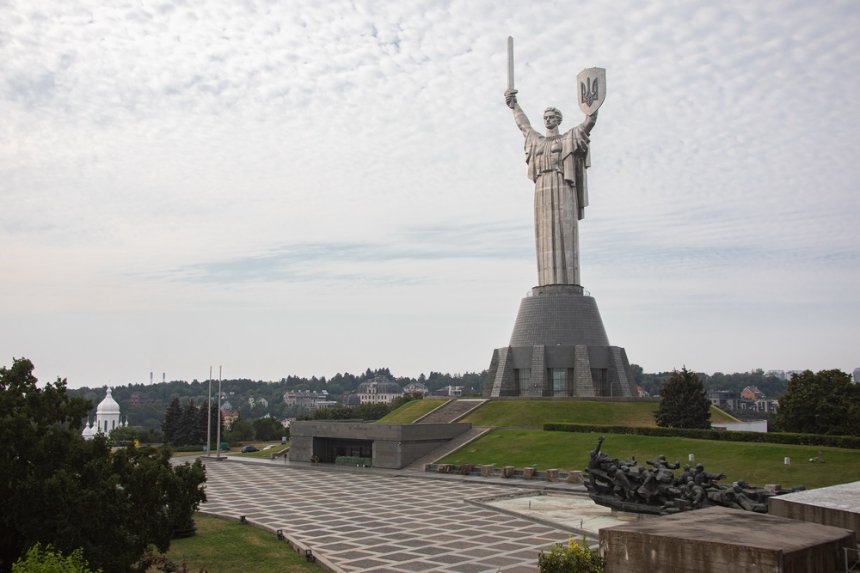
{"x":145,"y":404}
{"x":771,"y":386}
{"x":825,"y":402}
{"x":186,"y":424}
{"x":71,"y":493}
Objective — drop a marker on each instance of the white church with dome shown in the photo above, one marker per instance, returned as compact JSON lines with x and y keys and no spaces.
{"x":107,"y":419}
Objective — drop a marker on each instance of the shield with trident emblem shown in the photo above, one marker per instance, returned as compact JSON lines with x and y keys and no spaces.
{"x":592,"y":89}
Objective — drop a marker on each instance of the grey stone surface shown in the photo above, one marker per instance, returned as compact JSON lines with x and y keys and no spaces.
{"x":374,"y":522}
{"x":837,"y":505}
{"x":501,"y":375}
{"x":583,"y":384}
{"x":450,"y":411}
{"x":537,"y":376}
{"x":393,"y":446}
{"x":718,"y":540}
{"x":558,"y":327}
{"x":605,"y":373}
{"x":551,"y":318}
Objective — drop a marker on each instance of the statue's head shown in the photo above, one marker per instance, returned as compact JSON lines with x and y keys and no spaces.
{"x":552,"y":117}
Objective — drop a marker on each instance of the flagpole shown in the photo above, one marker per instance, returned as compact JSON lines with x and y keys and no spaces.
{"x":209,"y":417}
{"x":218,"y":438}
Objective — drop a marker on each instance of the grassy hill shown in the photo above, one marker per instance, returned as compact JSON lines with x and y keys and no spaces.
{"x":756,"y":463}
{"x":536,"y":413}
{"x":412,"y":410}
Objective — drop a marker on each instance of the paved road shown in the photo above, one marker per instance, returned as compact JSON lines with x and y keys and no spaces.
{"x":375,"y":522}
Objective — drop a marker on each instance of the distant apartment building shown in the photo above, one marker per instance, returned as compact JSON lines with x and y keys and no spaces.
{"x":751,"y":399}
{"x":415,"y":389}
{"x":308,"y":400}
{"x":752,"y":393}
{"x":454,"y":391}
{"x":378,"y":390}
{"x":228,"y":416}
{"x":725,"y":399}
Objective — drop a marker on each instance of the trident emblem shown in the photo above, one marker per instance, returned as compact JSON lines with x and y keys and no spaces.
{"x":592,"y":89}
{"x":588,"y":91}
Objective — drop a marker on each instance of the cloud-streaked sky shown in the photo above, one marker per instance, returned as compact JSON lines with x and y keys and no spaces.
{"x":318,"y":187}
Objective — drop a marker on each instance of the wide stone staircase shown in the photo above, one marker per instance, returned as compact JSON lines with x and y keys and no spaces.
{"x":451,"y":411}
{"x":445,"y":449}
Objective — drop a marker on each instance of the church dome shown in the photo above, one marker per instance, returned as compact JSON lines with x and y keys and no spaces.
{"x":108,"y":405}
{"x":89,"y":431}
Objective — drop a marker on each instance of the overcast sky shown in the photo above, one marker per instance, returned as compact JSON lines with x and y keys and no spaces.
{"x":318,"y":187}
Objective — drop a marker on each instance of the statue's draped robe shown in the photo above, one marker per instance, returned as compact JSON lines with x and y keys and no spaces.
{"x":557,"y":165}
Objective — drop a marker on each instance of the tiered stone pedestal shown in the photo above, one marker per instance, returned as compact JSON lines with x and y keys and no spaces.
{"x":559,"y":333}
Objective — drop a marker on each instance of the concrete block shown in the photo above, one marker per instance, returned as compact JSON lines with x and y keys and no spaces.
{"x":722,"y":540}
{"x":837,"y":506}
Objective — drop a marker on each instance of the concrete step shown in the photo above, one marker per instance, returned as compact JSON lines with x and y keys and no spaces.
{"x":451,"y":411}
{"x":447,"y":448}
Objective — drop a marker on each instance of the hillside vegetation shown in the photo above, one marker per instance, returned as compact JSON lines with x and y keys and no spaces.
{"x":412,"y":410}
{"x":756,"y":463}
{"x":536,"y":413}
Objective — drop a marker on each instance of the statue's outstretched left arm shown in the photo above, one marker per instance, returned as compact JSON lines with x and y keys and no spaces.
{"x":589,"y":122}
{"x":582,"y":130}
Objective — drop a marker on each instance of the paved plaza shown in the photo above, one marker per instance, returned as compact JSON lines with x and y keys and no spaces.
{"x":375,"y":522}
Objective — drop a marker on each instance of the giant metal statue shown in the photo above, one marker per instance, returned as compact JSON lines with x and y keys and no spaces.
{"x":557,"y":163}
{"x":559,"y":345}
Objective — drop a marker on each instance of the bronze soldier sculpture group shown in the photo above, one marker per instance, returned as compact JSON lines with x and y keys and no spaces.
{"x":627,"y":485}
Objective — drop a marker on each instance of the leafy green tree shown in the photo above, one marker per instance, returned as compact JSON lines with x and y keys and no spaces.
{"x":171,"y":426}
{"x":124,"y":436}
{"x":683,"y":403}
{"x":58,"y":488}
{"x":370,"y":411}
{"x":638,"y":374}
{"x":822,"y":403}
{"x":268,"y":429}
{"x":203,"y":423}
{"x":241,"y":431}
{"x":48,"y":560}
{"x":190,"y":430}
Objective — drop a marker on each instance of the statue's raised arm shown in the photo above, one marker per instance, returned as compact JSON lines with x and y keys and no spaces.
{"x":519,"y":115}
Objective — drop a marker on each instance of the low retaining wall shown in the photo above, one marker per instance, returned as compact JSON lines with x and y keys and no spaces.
{"x":506,"y":472}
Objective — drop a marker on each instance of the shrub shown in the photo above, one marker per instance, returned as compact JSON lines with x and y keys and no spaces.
{"x":48,"y":560}
{"x":575,"y":557}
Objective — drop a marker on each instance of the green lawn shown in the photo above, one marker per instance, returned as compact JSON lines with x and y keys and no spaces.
{"x":223,"y":546}
{"x":536,"y":413}
{"x":263,"y":453}
{"x":756,"y":463}
{"x":411,"y":411}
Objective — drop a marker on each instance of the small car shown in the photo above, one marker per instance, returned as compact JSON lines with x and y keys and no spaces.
{"x":249,"y":449}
